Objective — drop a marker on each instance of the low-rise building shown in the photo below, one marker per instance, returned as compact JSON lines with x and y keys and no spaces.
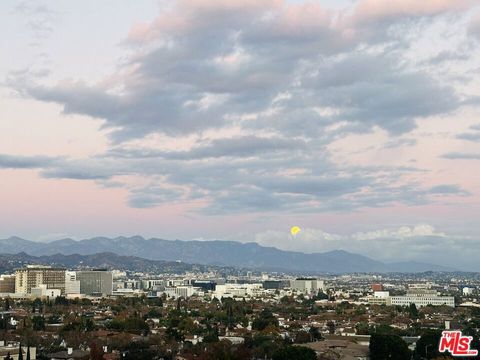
{"x":422,"y":297}
{"x":42,"y":291}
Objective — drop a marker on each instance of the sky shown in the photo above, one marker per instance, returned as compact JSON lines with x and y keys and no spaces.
{"x":355,"y":120}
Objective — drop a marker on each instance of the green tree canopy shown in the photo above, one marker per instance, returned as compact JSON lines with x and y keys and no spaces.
{"x":383,"y":347}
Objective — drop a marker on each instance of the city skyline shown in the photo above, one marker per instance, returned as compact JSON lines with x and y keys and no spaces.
{"x":235,"y":120}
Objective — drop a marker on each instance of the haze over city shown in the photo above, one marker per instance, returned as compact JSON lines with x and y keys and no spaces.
{"x":356,"y":121}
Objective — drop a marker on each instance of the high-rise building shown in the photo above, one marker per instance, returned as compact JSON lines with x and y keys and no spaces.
{"x":33,"y":276}
{"x":7,"y":284}
{"x":95,"y":282}
{"x":307,"y":285}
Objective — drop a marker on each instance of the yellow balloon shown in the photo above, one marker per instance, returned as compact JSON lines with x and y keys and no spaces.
{"x":294,"y":230}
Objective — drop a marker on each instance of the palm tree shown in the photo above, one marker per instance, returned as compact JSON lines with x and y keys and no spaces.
{"x":20,"y":353}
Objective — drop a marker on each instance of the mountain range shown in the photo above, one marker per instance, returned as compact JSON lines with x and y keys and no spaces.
{"x":219,"y":253}
{"x":10,"y":262}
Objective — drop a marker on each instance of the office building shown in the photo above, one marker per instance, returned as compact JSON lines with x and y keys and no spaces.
{"x":95,"y":282}
{"x":275,"y":284}
{"x":205,"y":285}
{"x":34,"y":276}
{"x":184,"y":291}
{"x":7,"y":284}
{"x":422,"y":297}
{"x":72,"y":285}
{"x":307,"y":285}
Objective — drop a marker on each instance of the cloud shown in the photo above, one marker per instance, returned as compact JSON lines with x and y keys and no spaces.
{"x":447,"y":189}
{"x":230,"y":175}
{"x":153,"y":196}
{"x":202,"y":66}
{"x":469,"y":136}
{"x":237,"y":147}
{"x":474,"y":135}
{"x":420,"y":242}
{"x":367,"y":11}
{"x":399,"y":233}
{"x":255,"y":92}
{"x":25,"y":162}
{"x":84,"y":169}
{"x":39,"y":17}
{"x":400,"y":143}
{"x":461,"y":155}
{"x":474,"y":26}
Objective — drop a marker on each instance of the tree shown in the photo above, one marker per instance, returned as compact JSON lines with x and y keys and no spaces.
{"x":20,"y":352}
{"x":362,"y":328}
{"x":314,"y":333}
{"x":294,"y":352}
{"x":413,"y":311}
{"x":321,"y":296}
{"x":384,"y":347}
{"x":264,"y":319}
{"x":37,"y":305}
{"x":331,"y":327}
{"x":38,"y":323}
{"x":302,"y":337}
{"x":221,"y":350}
{"x":427,"y":345}
{"x":138,"y":350}
{"x":96,"y":351}
{"x":329,"y":355}
{"x":61,"y":300}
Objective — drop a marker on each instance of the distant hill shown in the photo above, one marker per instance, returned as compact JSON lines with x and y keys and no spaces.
{"x":9,"y":262}
{"x":221,"y":253}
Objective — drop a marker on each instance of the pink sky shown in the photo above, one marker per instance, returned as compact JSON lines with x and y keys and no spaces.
{"x":231,"y":119}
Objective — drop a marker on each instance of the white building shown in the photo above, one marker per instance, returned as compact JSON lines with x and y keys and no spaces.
{"x":72,"y":285}
{"x":238,"y":290}
{"x":152,"y":284}
{"x":422,"y":297}
{"x":419,"y":297}
{"x":42,"y":291}
{"x":467,"y":291}
{"x":35,"y":275}
{"x":184,"y":291}
{"x":379,"y":298}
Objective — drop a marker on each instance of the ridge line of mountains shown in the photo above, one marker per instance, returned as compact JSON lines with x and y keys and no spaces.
{"x":213,"y":253}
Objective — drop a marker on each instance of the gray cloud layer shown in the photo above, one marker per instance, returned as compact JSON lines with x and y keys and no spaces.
{"x":289,"y":80}
{"x":25,"y":162}
{"x":213,"y":63}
